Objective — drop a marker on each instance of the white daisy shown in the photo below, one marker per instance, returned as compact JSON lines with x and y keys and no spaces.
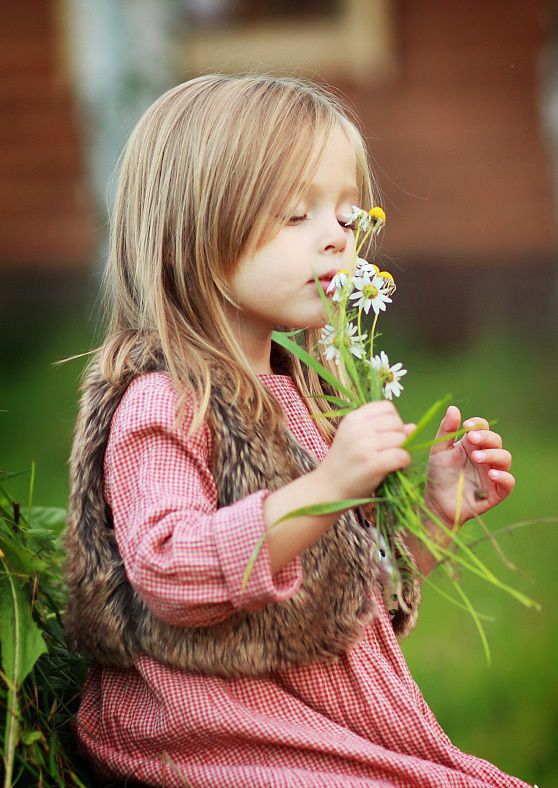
{"x":388,"y":375}
{"x":337,"y":284}
{"x":330,"y":340}
{"x":364,"y":267}
{"x":359,"y":215}
{"x":370,"y":291}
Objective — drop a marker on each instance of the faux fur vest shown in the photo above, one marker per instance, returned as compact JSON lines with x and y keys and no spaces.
{"x":106,"y":620}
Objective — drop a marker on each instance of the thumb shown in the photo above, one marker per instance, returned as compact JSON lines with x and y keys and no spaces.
{"x":449,"y":424}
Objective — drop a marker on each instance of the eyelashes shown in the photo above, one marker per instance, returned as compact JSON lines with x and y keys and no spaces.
{"x":294,"y":220}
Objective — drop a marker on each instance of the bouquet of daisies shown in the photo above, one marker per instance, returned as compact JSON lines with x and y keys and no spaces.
{"x":365,"y":374}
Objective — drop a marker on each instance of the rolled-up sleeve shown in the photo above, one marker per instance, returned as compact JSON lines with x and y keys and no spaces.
{"x":185,"y":557}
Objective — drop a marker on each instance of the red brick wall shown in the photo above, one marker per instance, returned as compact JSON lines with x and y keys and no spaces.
{"x":457,"y":137}
{"x":45,"y":215}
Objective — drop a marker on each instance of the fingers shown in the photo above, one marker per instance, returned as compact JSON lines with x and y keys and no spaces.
{"x":503,"y":481}
{"x":388,"y":423}
{"x":483,"y":439}
{"x":475,"y":423}
{"x":388,"y":440}
{"x":496,"y":458}
{"x":394,"y":459}
{"x":377,"y":408}
{"x":449,"y":424}
{"x":383,"y":417}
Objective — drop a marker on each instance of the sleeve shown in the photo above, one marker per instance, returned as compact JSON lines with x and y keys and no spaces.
{"x":184,"y":557}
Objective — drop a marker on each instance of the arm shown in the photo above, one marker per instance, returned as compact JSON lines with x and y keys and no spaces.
{"x":485,"y":466}
{"x":184,"y":557}
{"x":291,"y":537}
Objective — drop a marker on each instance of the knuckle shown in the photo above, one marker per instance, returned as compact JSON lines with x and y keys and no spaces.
{"x":405,"y":456}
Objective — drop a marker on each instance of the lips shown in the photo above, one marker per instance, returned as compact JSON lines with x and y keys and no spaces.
{"x":325,"y":279}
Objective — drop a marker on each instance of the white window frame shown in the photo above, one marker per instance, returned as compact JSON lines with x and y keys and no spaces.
{"x":358,"y":45}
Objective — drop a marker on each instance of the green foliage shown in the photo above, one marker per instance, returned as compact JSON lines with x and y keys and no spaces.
{"x":40,"y":679}
{"x":507,"y":714}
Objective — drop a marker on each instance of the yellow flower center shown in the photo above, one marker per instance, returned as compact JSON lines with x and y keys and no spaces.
{"x":370,"y":292}
{"x":345,"y":340}
{"x":389,"y":282}
{"x":343,"y":271}
{"x":377,"y":213}
{"x":386,"y":375}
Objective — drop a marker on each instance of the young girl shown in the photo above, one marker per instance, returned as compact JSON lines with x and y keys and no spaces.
{"x":194,"y":437}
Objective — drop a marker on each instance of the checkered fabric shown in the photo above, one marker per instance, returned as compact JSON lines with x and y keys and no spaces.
{"x":360,"y":721}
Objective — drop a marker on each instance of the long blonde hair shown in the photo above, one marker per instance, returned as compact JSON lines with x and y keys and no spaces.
{"x":205,"y":173}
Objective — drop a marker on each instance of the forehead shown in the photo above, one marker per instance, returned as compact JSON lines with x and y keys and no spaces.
{"x":336,"y":167}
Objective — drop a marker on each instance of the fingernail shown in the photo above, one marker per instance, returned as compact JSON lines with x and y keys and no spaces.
{"x":474,"y":436}
{"x":479,"y":455}
{"x":494,"y":475}
{"x":469,"y":423}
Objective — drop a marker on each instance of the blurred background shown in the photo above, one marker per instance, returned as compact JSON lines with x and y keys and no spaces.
{"x":459,"y":103}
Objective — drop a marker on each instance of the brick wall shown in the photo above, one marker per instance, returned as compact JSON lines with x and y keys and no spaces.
{"x":45,"y":214}
{"x":457,"y":136}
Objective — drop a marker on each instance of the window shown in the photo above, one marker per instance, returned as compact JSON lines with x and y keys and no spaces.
{"x":333,"y":39}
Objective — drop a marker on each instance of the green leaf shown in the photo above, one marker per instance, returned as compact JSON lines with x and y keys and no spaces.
{"x":52,"y":518}
{"x":426,"y":419}
{"x":324,"y":298}
{"x":30,"y":737}
{"x":332,"y":414}
{"x":342,"y":403}
{"x":31,"y":489}
{"x":324,"y":508}
{"x":319,"y":508}
{"x":21,"y":644}
{"x":478,"y":624}
{"x":304,"y":356}
{"x":6,"y":475}
{"x":20,"y":558}
{"x":21,"y":640}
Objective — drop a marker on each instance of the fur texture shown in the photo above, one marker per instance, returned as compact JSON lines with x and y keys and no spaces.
{"x":106,"y":620}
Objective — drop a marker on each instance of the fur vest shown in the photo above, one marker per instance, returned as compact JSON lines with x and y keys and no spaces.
{"x":107,"y":621}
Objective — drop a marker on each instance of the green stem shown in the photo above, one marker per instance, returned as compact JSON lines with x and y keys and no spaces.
{"x":372,"y":333}
{"x":359,"y":316}
{"x":364,"y":240}
{"x":480,"y":569}
{"x":12,"y":713}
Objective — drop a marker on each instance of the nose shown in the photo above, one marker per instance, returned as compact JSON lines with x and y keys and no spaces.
{"x":334,"y":237}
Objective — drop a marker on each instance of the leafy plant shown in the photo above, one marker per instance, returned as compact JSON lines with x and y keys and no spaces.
{"x":401,"y":503}
{"x":41,"y":680}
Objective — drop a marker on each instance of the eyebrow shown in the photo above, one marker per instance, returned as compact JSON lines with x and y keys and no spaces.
{"x":348,"y":189}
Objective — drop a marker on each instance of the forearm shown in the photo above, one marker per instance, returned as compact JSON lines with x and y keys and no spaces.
{"x":292,"y":537}
{"x":424,"y":558}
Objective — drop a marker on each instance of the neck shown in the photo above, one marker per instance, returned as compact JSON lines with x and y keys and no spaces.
{"x":255,"y":340}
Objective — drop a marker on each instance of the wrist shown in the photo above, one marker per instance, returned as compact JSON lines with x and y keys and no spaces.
{"x":434,"y":514}
{"x":324,"y":490}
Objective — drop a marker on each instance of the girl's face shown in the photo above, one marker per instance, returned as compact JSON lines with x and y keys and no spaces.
{"x":275,"y":286}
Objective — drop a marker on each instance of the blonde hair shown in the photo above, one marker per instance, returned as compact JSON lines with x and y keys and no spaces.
{"x":205,"y":173}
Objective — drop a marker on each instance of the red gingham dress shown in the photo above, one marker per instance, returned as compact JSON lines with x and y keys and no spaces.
{"x":361,"y":721}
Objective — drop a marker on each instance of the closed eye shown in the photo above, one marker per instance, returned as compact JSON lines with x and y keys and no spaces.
{"x":298,"y":219}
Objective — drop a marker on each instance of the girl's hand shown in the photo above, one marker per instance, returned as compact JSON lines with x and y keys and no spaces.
{"x":479,"y":454}
{"x":366,"y":447}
